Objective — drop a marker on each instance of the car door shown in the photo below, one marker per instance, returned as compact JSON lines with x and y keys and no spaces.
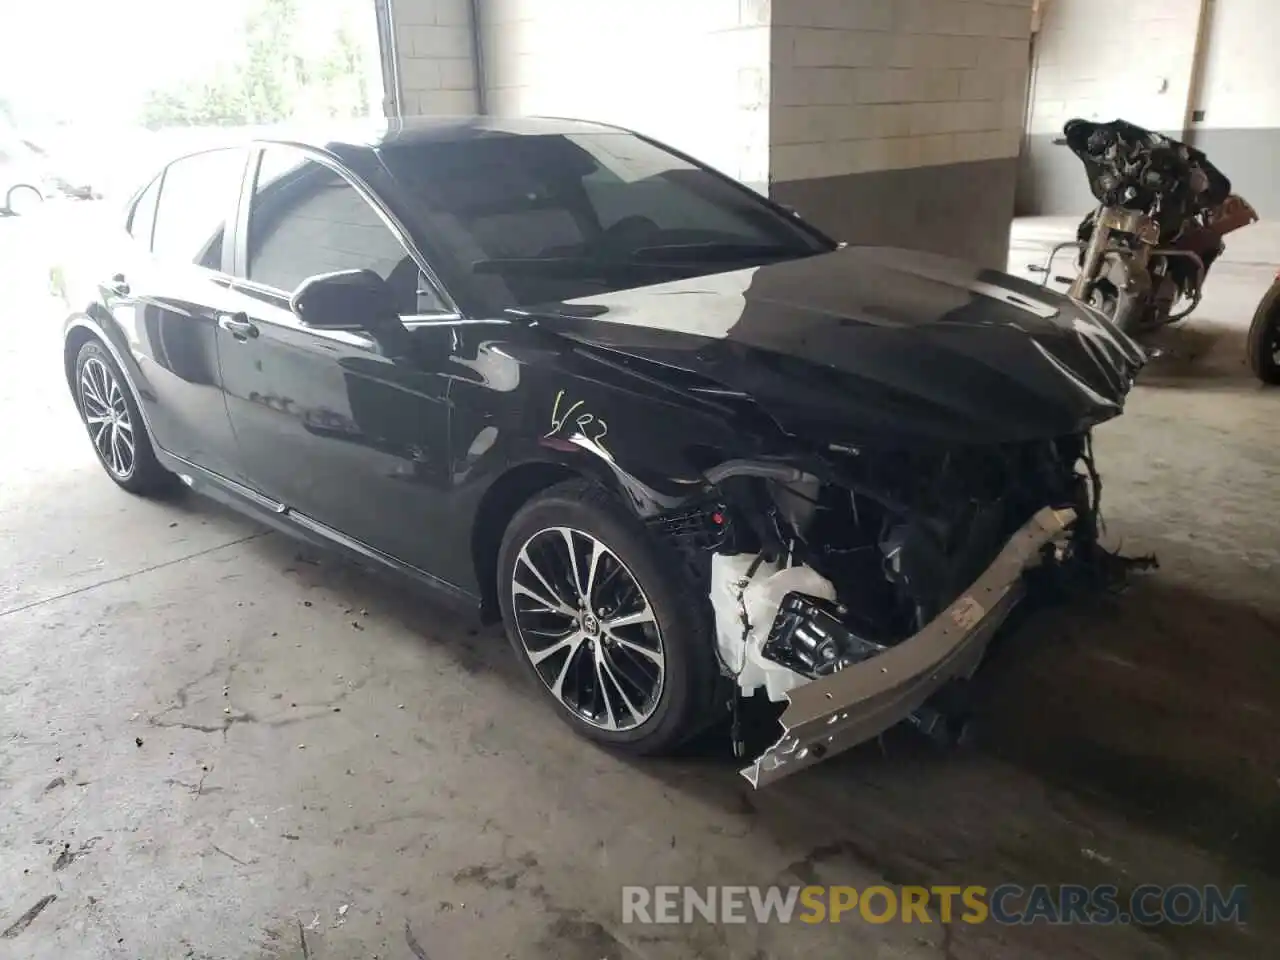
{"x":348,"y":432}
{"x":166,"y":295}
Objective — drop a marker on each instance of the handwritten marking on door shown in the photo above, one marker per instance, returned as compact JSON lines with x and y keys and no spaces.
{"x":589,"y":425}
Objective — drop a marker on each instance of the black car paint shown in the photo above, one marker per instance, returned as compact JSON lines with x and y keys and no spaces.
{"x":165,"y":319}
{"x":413,"y":449}
{"x":878,"y":346}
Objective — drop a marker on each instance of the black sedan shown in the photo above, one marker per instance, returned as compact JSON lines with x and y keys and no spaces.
{"x":685,"y":445}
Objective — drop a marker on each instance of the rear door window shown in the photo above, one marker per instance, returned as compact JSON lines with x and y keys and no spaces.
{"x":198,"y":197}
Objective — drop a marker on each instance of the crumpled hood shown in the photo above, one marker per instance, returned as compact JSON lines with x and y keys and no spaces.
{"x":870,"y":343}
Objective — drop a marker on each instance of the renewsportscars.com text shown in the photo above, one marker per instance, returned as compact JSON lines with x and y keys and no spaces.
{"x":1145,"y":905}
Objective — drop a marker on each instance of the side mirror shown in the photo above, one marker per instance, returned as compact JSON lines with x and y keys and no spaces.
{"x":346,"y":300}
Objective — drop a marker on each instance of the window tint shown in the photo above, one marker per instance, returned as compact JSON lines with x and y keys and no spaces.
{"x":306,"y":219}
{"x":143,"y":216}
{"x":197,"y":196}
{"x":634,"y":179}
{"x":536,"y":218}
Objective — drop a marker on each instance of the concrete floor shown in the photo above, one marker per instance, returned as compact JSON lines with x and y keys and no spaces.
{"x":202,"y":757}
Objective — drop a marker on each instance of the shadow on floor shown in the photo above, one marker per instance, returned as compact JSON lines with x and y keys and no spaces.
{"x":1199,"y":357}
{"x":1115,"y":739}
{"x":1159,"y":705}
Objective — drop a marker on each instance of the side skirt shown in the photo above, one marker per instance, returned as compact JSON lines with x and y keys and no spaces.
{"x":280,"y":517}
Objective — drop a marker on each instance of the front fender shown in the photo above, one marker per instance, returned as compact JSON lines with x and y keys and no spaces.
{"x":528,"y":411}
{"x":522,"y":397}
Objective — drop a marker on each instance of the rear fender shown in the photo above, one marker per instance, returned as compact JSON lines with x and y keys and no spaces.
{"x":93,"y":324}
{"x":1232,"y":214}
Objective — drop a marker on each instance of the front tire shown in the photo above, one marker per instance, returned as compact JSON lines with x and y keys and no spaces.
{"x":602,"y":616}
{"x":114,"y":423}
{"x":1263,"y":345}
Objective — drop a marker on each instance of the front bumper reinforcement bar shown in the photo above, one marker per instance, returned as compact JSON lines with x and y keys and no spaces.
{"x":837,"y":712}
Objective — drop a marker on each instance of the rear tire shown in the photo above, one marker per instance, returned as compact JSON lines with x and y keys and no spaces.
{"x":115,"y":426}
{"x":630,"y":666}
{"x":23,"y":200}
{"x":1263,"y":345}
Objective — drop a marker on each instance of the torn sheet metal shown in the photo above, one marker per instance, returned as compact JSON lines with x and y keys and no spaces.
{"x":835,"y":713}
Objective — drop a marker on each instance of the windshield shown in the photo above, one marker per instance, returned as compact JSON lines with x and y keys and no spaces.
{"x":538,"y":219}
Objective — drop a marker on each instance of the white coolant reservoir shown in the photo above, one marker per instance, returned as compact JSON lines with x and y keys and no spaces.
{"x":745,"y":602}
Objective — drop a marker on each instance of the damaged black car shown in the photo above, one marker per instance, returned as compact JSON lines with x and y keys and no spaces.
{"x":687,"y":447}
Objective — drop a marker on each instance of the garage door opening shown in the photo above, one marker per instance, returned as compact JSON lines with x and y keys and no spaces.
{"x":101,"y":91}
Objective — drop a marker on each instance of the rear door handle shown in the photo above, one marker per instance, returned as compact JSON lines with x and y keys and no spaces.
{"x":238,"y":325}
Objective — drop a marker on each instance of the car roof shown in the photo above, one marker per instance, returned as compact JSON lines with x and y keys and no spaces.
{"x":417,"y":130}
{"x":346,"y":139}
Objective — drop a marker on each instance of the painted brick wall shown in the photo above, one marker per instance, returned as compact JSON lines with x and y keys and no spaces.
{"x":1239,"y":92}
{"x":1240,"y":83}
{"x":1100,"y":59}
{"x":434,"y":57}
{"x":867,"y":85}
{"x":796,"y":97}
{"x":693,"y":73}
{"x":1143,"y":66}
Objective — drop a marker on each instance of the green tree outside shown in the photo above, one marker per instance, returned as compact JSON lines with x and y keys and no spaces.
{"x":271,"y":81}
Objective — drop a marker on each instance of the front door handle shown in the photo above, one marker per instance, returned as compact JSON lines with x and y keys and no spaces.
{"x":238,"y":325}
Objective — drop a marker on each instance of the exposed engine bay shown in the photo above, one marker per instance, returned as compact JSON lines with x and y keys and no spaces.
{"x":814,"y":571}
{"x":848,"y":573}
{"x":889,"y":443}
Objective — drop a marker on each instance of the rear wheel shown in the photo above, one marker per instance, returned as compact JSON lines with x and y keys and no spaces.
{"x":604,"y":621}
{"x":1263,"y":345}
{"x":114,"y":423}
{"x":23,"y":200}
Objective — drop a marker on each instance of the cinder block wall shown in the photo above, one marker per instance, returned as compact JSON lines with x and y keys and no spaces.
{"x":693,"y":73}
{"x":1099,"y":59}
{"x":885,"y":121}
{"x":434,"y":57}
{"x":1239,"y":93}
{"x":900,"y":121}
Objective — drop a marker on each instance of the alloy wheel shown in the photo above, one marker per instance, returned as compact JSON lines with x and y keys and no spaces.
{"x":106,"y":415}
{"x":588,"y":629}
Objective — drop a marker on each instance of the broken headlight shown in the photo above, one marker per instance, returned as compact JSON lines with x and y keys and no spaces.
{"x":808,"y":637}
